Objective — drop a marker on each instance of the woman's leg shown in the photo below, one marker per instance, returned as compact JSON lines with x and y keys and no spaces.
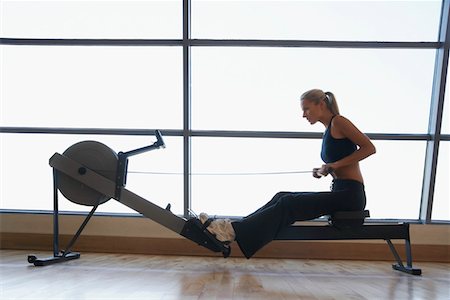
{"x":273,"y":201}
{"x":261,"y":227}
{"x":223,"y":229}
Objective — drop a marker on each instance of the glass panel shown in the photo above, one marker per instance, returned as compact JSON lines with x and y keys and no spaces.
{"x":393,"y":179}
{"x":239,"y":195}
{"x":446,"y":114}
{"x":91,"y":19}
{"x":390,"y":194}
{"x":383,"y":90}
{"x":105,"y":87}
{"x":317,"y":20}
{"x":26,"y":177}
{"x":441,"y":202}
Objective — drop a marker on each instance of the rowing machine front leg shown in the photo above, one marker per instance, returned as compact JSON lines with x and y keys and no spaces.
{"x":32,"y":259}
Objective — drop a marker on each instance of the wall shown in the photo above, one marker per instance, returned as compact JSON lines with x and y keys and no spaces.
{"x":141,"y":235}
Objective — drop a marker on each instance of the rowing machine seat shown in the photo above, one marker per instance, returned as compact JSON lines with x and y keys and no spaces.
{"x":348,"y":219}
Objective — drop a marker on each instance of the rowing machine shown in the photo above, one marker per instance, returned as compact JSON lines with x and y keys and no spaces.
{"x":90,"y":173}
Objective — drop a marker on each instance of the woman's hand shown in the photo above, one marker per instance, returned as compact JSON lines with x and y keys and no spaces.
{"x":323,"y":171}
{"x":315,"y":173}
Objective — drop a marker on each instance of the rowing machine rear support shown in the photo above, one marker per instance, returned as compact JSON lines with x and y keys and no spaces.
{"x":349,"y":225}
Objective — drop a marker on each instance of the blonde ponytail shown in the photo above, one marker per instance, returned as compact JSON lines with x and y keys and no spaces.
{"x":331,"y":103}
{"x":317,"y":95}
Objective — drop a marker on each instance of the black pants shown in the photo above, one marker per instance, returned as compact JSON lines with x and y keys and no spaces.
{"x":259,"y":228}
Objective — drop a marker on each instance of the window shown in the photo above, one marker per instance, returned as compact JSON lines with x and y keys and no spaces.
{"x":393,"y":179}
{"x":26,"y":177}
{"x":264,"y":85}
{"x":233,"y":116}
{"x":446,"y":113}
{"x":441,"y":202}
{"x":317,"y":20}
{"x":393,"y":183}
{"x":91,"y":19}
{"x":99,"y":87}
{"x":253,"y":171}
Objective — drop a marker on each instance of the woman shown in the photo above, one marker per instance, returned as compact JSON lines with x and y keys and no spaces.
{"x":343,"y":146}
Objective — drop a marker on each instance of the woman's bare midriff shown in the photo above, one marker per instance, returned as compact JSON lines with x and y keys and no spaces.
{"x":352,"y":172}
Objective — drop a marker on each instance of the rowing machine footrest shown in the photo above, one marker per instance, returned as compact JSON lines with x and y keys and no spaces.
{"x":32,"y":259}
{"x":348,"y":219}
{"x":194,"y":231}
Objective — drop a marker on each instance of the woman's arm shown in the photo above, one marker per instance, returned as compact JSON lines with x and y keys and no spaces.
{"x":343,"y":128}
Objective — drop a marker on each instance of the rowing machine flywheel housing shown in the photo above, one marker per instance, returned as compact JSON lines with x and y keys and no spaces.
{"x":94,"y":156}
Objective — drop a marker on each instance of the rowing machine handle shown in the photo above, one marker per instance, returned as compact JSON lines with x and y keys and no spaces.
{"x":156,"y":145}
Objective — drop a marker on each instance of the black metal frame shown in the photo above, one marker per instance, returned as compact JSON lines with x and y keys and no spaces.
{"x":364,"y":232}
{"x":58,"y":254}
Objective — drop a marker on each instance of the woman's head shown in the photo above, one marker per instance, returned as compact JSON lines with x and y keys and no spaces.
{"x":317,"y":96}
{"x":315,"y":103}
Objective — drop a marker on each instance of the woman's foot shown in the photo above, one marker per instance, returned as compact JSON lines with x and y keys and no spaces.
{"x":221,"y":228}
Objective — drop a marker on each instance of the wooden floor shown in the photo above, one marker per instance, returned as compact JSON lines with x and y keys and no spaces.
{"x":119,"y":276}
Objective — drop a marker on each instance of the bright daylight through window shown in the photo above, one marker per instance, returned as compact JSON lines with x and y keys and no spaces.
{"x":228,"y":107}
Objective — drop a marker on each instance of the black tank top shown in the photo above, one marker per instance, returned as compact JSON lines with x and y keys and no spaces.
{"x":335,"y":149}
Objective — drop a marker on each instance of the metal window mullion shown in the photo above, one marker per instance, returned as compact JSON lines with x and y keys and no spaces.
{"x":218,"y":42}
{"x":90,"y":131}
{"x":435,"y":118}
{"x":89,"y":42}
{"x":313,"y":44}
{"x":186,"y":107}
{"x":212,"y":133}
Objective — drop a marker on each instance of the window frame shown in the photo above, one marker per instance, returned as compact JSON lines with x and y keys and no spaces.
{"x":433,"y":137}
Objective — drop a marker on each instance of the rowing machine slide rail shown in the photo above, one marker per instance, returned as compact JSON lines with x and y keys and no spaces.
{"x":90,"y":173}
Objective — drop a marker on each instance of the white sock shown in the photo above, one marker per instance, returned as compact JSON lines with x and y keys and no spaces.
{"x":221,"y":228}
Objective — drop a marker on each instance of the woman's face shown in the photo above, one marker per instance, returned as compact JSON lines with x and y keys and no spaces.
{"x":311,"y":110}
